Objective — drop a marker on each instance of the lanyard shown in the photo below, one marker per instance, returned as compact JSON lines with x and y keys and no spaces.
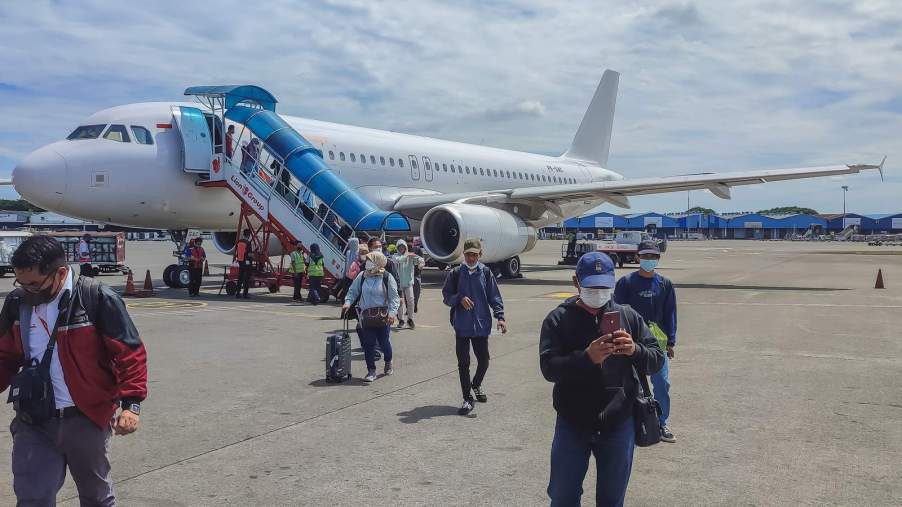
{"x":43,"y":320}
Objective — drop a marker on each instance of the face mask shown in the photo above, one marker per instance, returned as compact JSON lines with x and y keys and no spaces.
{"x":594,"y":298}
{"x":370,"y":266}
{"x":40,"y":297}
{"x":363,"y":258}
{"x":648,"y":265}
{"x":471,"y":267}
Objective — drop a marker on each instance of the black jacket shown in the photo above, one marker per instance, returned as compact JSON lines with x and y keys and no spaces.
{"x":582,"y":389}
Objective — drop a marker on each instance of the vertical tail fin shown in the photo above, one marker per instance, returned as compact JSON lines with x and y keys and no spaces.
{"x":593,"y":139}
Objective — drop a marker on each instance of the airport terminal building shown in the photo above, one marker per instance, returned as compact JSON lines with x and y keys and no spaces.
{"x":739,"y":225}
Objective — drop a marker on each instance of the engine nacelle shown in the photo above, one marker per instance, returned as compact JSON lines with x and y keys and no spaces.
{"x":225,"y":242}
{"x":503,"y":235}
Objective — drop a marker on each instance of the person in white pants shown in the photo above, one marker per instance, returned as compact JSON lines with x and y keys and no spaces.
{"x":405,"y":262}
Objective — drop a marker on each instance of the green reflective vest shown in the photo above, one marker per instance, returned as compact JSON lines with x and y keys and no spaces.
{"x":297,"y":262}
{"x":316,"y":268}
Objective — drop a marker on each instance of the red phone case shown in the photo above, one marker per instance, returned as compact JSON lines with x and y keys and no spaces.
{"x":610,"y":322}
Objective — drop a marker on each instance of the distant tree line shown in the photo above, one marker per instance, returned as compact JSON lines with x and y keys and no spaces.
{"x":19,"y":205}
{"x":780,"y":210}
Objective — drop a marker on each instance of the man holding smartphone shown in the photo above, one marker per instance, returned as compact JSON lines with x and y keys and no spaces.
{"x":654,"y":297}
{"x":595,"y":372}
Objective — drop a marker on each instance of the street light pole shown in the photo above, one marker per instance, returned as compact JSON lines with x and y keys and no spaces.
{"x":845,"y":188}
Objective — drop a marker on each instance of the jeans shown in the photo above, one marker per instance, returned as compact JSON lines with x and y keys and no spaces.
{"x":298,"y":279}
{"x":372,"y":336}
{"x":42,"y":453}
{"x":481,"y":350}
{"x":661,"y":386}
{"x":570,"y":450}
{"x":313,"y":283}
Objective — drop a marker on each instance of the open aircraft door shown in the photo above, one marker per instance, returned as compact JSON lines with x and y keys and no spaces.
{"x":197,"y":146}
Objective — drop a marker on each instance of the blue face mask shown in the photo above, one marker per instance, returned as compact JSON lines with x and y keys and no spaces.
{"x":648,"y":265}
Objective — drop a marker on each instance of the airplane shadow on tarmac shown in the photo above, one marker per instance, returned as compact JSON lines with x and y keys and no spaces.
{"x":418,"y":414}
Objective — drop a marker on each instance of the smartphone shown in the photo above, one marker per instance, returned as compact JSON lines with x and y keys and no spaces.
{"x":610,"y":322}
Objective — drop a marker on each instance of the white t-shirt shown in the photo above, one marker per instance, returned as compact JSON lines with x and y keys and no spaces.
{"x":43,"y":317}
{"x":84,"y":251}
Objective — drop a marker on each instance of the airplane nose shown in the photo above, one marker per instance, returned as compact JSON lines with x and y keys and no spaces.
{"x":41,"y":177}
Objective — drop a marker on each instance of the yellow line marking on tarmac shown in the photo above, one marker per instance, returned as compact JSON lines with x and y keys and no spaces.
{"x":560,"y":295}
{"x":158,"y":304}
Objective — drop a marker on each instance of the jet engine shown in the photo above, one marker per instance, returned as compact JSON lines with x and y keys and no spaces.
{"x":503,"y":235}
{"x":225,"y":241}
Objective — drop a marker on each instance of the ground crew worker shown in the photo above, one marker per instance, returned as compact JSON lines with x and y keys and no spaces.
{"x":297,"y":268}
{"x":92,"y":363}
{"x":315,"y":274}
{"x":84,"y":256}
{"x":406,"y":263}
{"x":595,"y":384}
{"x":196,"y":267}
{"x":244,"y":257}
{"x":654,"y":297}
{"x":472,"y":293}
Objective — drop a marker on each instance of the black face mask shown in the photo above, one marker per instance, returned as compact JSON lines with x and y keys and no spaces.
{"x":40,"y":297}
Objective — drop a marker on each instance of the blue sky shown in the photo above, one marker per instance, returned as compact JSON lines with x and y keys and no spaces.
{"x":705,"y":86}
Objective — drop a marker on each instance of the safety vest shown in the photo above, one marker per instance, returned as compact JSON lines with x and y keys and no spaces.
{"x":297,"y":262}
{"x":316,"y":268}
{"x":241,"y":250}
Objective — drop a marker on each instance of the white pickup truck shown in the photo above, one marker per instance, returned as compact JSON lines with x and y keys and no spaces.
{"x":621,"y":247}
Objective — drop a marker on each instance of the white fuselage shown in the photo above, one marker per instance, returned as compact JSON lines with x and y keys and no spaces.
{"x":145,"y":185}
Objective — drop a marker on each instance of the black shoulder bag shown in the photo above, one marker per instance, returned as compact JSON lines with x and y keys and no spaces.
{"x":366,"y":317}
{"x":646,"y":414}
{"x":31,"y":390}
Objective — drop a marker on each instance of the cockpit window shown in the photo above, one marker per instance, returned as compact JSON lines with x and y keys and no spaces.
{"x":117,"y":133}
{"x":86,"y":132}
{"x":142,"y":135}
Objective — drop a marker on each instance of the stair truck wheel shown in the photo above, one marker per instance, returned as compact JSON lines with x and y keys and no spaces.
{"x":167,"y":275}
{"x":231,"y":288}
{"x":273,"y":288}
{"x":511,"y":267}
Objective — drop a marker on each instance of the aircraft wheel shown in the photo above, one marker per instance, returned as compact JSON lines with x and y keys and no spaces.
{"x":167,"y":275}
{"x":511,"y":267}
{"x":181,"y":278}
{"x":231,"y":288}
{"x":273,"y":288}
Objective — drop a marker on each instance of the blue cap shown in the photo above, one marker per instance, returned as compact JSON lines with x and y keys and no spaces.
{"x":595,"y":269}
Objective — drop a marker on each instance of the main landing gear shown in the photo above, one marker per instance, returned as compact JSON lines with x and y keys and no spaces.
{"x":509,"y":268}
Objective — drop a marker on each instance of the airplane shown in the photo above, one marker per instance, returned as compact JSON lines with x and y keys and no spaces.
{"x":140,"y":165}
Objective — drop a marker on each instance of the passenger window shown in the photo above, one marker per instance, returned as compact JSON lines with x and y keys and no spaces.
{"x":413,"y":163}
{"x":86,"y":132}
{"x":452,"y":168}
{"x":391,"y":161}
{"x":362,"y":159}
{"x":353,"y":158}
{"x":382,"y":159}
{"x":117,"y":133}
{"x":481,"y":172}
{"x":445,"y":167}
{"x":400,"y":162}
{"x":467,"y":168}
{"x":373,"y":159}
{"x":331,"y":155}
{"x":142,"y":135}
{"x":495,"y":172}
{"x":341,"y":156}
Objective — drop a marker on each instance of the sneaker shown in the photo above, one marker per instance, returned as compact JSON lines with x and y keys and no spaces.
{"x":388,"y":368}
{"x":400,"y":324}
{"x":480,"y":394}
{"x":410,"y":324}
{"x":466,"y":408}
{"x":666,"y":435}
{"x":370,"y":376}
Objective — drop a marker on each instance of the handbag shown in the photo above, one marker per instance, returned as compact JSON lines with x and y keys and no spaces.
{"x":371,"y":317}
{"x":646,"y":415}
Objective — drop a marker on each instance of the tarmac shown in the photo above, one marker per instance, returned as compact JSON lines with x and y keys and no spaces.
{"x":787,"y":389}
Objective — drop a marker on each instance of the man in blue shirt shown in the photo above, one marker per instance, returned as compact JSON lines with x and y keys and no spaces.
{"x":654,"y":297}
{"x":471,"y":292}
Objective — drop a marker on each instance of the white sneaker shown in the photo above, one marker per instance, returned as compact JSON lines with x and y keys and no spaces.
{"x":370,"y":376}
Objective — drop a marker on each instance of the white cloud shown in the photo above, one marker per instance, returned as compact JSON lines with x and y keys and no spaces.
{"x":705,"y":85}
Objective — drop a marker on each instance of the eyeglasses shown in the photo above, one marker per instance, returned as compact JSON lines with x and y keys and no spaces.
{"x":33,"y":287}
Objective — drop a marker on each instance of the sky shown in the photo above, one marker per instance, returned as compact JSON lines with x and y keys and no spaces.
{"x":705,"y":85}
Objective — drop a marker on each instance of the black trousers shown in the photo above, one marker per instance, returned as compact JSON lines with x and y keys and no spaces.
{"x":194,"y":278}
{"x":244,"y":277}
{"x":481,"y":350}
{"x":298,"y":281}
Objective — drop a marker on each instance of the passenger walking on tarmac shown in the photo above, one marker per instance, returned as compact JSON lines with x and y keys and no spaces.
{"x":472,"y":293}
{"x":297,"y":268}
{"x":244,"y":256}
{"x":230,"y":140}
{"x":196,"y":267}
{"x":596,"y":382}
{"x":406,"y":262}
{"x":84,"y":256}
{"x":92,"y":364}
{"x":375,"y":295}
{"x":352,"y":253}
{"x":654,"y":297}
{"x":315,"y":274}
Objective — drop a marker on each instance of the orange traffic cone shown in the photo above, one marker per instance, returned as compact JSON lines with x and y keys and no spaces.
{"x":879,"y":284}
{"x":148,"y":285}
{"x":130,"y":286}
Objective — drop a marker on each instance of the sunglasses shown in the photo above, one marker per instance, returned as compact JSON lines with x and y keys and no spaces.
{"x":36,"y":286}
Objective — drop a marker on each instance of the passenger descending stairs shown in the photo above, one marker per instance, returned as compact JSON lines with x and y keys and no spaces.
{"x":309,"y":202}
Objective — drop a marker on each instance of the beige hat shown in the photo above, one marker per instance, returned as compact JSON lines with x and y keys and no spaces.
{"x":379,"y":260}
{"x":472,"y":245}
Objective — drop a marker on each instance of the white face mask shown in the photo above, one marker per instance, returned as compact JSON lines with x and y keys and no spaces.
{"x":594,"y":298}
{"x":370,"y":266}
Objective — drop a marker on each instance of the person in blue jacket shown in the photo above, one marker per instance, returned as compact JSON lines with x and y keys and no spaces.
{"x":654,"y":297}
{"x":471,"y":292}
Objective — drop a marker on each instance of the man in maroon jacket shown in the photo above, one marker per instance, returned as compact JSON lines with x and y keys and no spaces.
{"x":97,"y":366}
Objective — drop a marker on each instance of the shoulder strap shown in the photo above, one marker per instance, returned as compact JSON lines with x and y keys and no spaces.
{"x":385,"y":276}
{"x":65,"y":310}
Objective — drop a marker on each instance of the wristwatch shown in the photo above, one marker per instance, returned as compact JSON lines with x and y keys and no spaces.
{"x":132,"y":407}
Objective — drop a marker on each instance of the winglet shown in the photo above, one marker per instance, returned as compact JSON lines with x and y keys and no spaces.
{"x":880,"y":168}
{"x":862,"y":167}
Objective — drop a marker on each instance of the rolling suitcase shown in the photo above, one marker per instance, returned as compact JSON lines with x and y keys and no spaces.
{"x":338,"y":356}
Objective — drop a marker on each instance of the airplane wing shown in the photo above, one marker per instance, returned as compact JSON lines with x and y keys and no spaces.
{"x":6,"y":181}
{"x":618,"y":191}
